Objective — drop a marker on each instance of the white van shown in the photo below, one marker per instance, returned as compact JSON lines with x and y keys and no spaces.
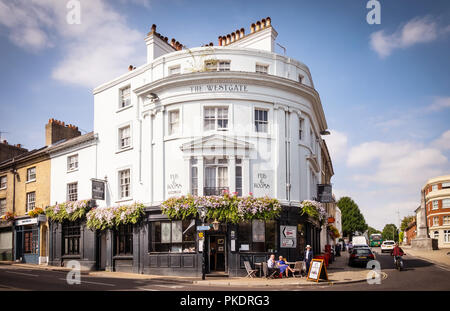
{"x":359,"y":240}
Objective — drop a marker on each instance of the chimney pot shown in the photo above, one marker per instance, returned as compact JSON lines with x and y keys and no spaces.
{"x":153,"y":28}
{"x":252,"y":28}
{"x":130,"y":67}
{"x":228,"y":39}
{"x":263,"y":23}
{"x":220,"y":40}
{"x":19,"y":146}
{"x":258,"y":26}
{"x":233,"y":37}
{"x":5,"y":142}
{"x":242,"y":32}
{"x":268,"y":21}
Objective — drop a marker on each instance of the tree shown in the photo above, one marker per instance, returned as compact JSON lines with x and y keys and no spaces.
{"x":401,"y":235}
{"x":406,"y":221}
{"x":352,"y":219}
{"x":390,"y":232}
{"x":371,"y":230}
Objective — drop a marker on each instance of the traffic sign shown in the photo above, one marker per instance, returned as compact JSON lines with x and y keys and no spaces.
{"x":203,"y":228}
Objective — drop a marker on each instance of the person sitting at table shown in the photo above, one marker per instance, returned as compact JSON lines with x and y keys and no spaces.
{"x":283,"y":266}
{"x":271,"y":264}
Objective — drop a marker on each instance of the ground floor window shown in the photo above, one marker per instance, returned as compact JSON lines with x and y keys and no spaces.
{"x":172,"y":236}
{"x":258,"y":236}
{"x":71,"y":237}
{"x":30,"y":242}
{"x":123,"y":240}
{"x":436,"y":235}
{"x":447,"y":236}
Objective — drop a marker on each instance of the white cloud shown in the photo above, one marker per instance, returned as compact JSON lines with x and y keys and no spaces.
{"x":439,"y":104}
{"x":95,"y":51}
{"x":443,"y":142}
{"x":417,"y":30}
{"x":337,"y":145}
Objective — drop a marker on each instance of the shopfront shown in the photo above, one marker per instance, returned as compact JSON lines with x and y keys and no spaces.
{"x":27,"y":240}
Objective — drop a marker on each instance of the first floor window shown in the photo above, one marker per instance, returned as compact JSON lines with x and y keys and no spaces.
{"x":446,"y":203}
{"x":31,"y":200}
{"x":123,"y":240}
{"x":72,"y":191}
{"x":258,"y":236}
{"x":434,"y":187}
{"x":446,"y":220}
{"x":124,"y":184}
{"x":216,"y":118}
{"x":3,"y":182}
{"x":2,"y":206}
{"x":124,"y":137}
{"x":172,"y":236}
{"x":194,"y":176}
{"x":435,"y":221}
{"x":216,"y":176}
{"x":239,"y":177}
{"x":31,"y":174}
{"x":261,"y":121}
{"x":174,"y":121}
{"x":435,"y":204}
{"x":300,"y":129}
{"x":447,"y":236}
{"x":71,"y":237}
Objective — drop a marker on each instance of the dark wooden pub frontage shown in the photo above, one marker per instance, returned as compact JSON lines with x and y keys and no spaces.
{"x":162,"y":247}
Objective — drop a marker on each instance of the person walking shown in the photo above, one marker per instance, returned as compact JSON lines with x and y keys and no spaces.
{"x":308,"y":257}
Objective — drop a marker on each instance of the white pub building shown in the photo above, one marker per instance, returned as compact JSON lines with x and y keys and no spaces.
{"x":235,"y":117}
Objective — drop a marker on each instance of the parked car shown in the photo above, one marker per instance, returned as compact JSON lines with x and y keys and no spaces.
{"x":360,"y":256}
{"x":387,"y":246}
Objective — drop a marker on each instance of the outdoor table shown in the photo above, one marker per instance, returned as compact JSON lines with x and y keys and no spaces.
{"x":259,"y":265}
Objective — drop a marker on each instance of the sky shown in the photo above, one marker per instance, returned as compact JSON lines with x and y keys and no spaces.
{"x":385,"y":88}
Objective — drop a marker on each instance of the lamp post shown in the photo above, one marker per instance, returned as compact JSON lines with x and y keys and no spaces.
{"x":202,"y":212}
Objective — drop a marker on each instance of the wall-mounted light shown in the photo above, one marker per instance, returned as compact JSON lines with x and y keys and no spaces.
{"x":215,"y":225}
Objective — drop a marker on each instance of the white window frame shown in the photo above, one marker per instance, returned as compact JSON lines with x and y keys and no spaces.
{"x":2,"y":207}
{"x":120,"y":138}
{"x":29,"y":179}
{"x":69,"y":163}
{"x":71,"y":193}
{"x":175,"y":70}
{"x":435,"y":221}
{"x":435,"y":205}
{"x":223,"y":65}
{"x":261,"y":122}
{"x":31,"y":204}
{"x":446,"y":236}
{"x":434,"y":187}
{"x":170,"y":123}
{"x":216,"y":118}
{"x":445,"y":185}
{"x":436,"y":235}
{"x":120,"y":185}
{"x":445,"y":203}
{"x":4,"y":182}
{"x":446,"y":220}
{"x":217,"y":165}
{"x":121,"y":97}
{"x":261,"y":68}
{"x":194,"y":180}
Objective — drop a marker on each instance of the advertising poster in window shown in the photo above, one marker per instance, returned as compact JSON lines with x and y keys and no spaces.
{"x":258,"y":230}
{"x":262,"y":183}
{"x":177,"y":232}
{"x":165,"y":232}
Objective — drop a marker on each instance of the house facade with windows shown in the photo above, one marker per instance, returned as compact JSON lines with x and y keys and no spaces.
{"x":235,"y":117}
{"x":437,"y":202}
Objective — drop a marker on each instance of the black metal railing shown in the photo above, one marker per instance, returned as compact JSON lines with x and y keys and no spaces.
{"x":214,"y":190}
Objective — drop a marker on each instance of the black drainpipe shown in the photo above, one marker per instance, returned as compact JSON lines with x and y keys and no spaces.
{"x":13,"y":254}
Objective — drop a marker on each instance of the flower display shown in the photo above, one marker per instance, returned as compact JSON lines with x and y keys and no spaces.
{"x":71,"y":210}
{"x":333,"y":231}
{"x":109,"y":217}
{"x":313,"y":209}
{"x":225,"y":208}
{"x":35,"y":212}
{"x":8,"y":216}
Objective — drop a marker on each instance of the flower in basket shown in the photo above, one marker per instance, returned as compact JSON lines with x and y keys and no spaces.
{"x":35,"y":212}
{"x":8,"y":216}
{"x":71,"y":210}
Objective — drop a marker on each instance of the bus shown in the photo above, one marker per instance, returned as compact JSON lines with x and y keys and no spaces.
{"x":375,"y":240}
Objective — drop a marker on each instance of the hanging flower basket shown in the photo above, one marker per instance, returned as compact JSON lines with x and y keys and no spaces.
{"x":334,"y":232}
{"x":36,"y":212}
{"x":111,"y":217}
{"x":313,"y":209}
{"x":8,"y":216}
{"x":70,"y":211}
{"x":225,"y":208}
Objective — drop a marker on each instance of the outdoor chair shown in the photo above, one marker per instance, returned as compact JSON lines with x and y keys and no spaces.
{"x":251,"y":273}
{"x":299,"y":267}
{"x":266,"y":271}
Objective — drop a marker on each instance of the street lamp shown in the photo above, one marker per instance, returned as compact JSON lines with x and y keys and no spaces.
{"x":202,"y":211}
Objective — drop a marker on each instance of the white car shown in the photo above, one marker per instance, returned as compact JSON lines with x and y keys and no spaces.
{"x":387,"y":246}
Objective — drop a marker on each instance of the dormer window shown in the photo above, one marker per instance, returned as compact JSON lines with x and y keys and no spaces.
{"x":217,"y":65}
{"x":262,"y":68}
{"x":224,"y":65}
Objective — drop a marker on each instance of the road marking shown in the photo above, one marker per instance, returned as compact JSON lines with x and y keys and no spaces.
{"x":170,"y":286}
{"x":148,"y":289}
{"x":21,"y":273}
{"x":90,"y":282}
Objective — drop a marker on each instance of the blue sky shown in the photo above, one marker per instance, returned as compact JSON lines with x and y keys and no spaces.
{"x":385,"y":88}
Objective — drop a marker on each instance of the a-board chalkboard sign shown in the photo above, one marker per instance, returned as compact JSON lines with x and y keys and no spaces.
{"x":317,"y":271}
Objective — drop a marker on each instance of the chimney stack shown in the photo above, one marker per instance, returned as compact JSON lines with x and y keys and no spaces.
{"x":56,"y":130}
{"x":8,"y":151}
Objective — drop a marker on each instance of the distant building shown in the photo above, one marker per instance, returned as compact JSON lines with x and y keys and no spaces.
{"x":410,"y":232}
{"x":8,"y":151}
{"x":437,"y":200}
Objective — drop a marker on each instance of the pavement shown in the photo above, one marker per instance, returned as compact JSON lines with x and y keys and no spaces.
{"x":338,"y":273}
{"x":439,"y":257}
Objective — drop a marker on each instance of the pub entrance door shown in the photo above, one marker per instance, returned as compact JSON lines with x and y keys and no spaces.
{"x":217,"y":253}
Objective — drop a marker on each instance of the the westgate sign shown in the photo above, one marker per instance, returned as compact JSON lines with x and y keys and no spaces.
{"x":226,"y":87}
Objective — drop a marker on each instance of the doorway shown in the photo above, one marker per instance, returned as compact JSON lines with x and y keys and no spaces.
{"x":27,"y":244}
{"x":100,"y":250}
{"x":217,"y":253}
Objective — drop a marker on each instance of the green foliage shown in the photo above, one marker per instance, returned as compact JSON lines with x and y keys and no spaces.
{"x":352,"y":219}
{"x":401,"y":236}
{"x":390,"y":232}
{"x":405,"y":222}
{"x":371,"y":230}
